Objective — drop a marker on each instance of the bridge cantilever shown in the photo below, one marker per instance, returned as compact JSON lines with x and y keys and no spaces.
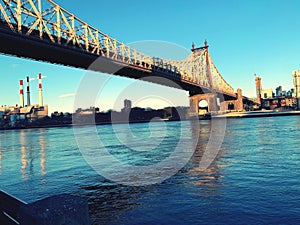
{"x":55,"y":35}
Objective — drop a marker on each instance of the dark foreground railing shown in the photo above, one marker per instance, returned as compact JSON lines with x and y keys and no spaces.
{"x":57,"y":210}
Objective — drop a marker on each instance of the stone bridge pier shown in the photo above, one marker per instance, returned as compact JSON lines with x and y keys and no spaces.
{"x":211,"y":99}
{"x":213,"y":106}
{"x":233,"y":104}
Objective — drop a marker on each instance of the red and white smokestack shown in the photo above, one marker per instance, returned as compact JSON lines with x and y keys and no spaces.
{"x":21,"y":94}
{"x":28,"y":92}
{"x":40,"y":90}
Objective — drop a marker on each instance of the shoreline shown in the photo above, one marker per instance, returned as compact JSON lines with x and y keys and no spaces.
{"x":230,"y":115}
{"x":266,"y":113}
{"x":87,"y":124}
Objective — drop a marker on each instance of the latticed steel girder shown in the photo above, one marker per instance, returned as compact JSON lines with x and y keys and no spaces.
{"x":48,"y":21}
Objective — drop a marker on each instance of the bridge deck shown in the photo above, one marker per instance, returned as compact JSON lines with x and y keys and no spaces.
{"x":13,"y":43}
{"x":47,"y":32}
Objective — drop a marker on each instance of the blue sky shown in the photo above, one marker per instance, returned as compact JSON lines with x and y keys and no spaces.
{"x":245,"y":37}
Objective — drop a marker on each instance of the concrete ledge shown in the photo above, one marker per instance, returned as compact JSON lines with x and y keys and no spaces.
{"x":267,"y":113}
{"x":57,"y":210}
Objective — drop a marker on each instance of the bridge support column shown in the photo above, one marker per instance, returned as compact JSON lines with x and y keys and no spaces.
{"x":239,"y":101}
{"x":194,"y":106}
{"x":236,"y":105}
{"x":211,"y":99}
{"x":224,"y":106}
{"x":212,"y":102}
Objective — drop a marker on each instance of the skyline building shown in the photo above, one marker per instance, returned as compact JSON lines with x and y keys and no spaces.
{"x":258,"y":88}
{"x":296,"y":81}
{"x":127,"y":105}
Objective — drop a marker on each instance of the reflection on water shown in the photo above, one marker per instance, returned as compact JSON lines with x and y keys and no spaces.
{"x":42,"y":152}
{"x":108,"y":201}
{"x":23,"y":155}
{"x":211,"y":176}
{"x":32,"y":146}
{"x":0,"y":153}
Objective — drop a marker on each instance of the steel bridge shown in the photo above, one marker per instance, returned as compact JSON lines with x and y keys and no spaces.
{"x":43,"y":30}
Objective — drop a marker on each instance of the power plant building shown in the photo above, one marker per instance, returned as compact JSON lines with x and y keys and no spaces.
{"x":13,"y":116}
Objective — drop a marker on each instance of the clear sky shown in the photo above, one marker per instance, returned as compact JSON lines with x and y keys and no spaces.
{"x":245,"y":37}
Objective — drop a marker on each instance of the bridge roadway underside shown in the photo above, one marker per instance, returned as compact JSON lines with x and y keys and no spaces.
{"x":32,"y":47}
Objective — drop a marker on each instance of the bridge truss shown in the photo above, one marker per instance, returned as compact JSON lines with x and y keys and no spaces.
{"x":48,"y":21}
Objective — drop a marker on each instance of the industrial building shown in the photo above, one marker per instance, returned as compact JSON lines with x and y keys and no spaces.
{"x":21,"y":115}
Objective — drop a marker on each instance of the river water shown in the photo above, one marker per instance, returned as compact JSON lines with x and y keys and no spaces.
{"x":254,"y":178}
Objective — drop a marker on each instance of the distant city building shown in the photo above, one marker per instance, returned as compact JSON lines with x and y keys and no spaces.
{"x":267,"y":93}
{"x":296,"y":81}
{"x":127,"y":105}
{"x":284,"y":93}
{"x":258,"y":88}
{"x":285,"y":100}
{"x":278,"y":92}
{"x":89,"y":111}
{"x":290,"y":102}
{"x":291,"y":93}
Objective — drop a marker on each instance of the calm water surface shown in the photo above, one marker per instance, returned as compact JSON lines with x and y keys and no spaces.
{"x":254,"y":179}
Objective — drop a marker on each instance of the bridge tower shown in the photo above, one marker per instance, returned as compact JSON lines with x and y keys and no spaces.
{"x":52,"y":34}
{"x":210,"y":98}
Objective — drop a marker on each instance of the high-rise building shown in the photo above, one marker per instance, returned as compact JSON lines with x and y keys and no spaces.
{"x":296,"y":80}
{"x":258,"y":88}
{"x":292,"y":91}
{"x":127,"y":105}
{"x":284,"y":93}
{"x":279,"y":91}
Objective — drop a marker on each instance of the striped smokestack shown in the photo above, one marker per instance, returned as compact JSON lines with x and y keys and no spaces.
{"x":28,"y":92}
{"x":21,"y":94}
{"x":40,"y":90}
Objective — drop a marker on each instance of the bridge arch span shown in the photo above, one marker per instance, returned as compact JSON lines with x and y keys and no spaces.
{"x":210,"y":98}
